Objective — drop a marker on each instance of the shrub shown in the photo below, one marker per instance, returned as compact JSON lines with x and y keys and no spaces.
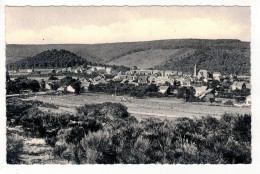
{"x":107,"y":134}
{"x":106,"y":110}
{"x":14,"y":148}
{"x":229,"y":103}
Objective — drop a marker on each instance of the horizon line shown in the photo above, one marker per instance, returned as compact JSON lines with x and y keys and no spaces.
{"x":120,"y":42}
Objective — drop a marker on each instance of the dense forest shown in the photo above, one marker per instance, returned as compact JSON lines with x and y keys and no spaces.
{"x":234,"y":61}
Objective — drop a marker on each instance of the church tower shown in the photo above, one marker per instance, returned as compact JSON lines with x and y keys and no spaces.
{"x":195,"y":71}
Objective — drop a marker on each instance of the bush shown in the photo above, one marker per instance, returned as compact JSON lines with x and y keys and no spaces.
{"x":229,"y":103}
{"x":106,"y":110}
{"x":107,"y":134}
{"x":52,"y":77}
{"x":14,"y":148}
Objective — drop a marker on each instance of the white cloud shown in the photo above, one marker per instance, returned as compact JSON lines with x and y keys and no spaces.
{"x":131,"y":30}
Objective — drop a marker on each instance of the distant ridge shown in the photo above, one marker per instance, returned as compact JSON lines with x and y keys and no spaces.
{"x":224,"y":55}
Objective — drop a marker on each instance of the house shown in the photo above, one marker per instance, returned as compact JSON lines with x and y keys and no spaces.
{"x":238,"y":85}
{"x":164,"y":89}
{"x":124,"y":81}
{"x":248,"y":86}
{"x":184,"y":81}
{"x":52,"y":85}
{"x":151,"y":79}
{"x":85,"y":85}
{"x":248,"y":100}
{"x":243,"y":78}
{"x":30,"y":70}
{"x":180,"y":73}
{"x":200,"y":90}
{"x":142,"y":80}
{"x":208,"y":97}
{"x":167,"y":73}
{"x":49,"y":86}
{"x":204,"y":94}
{"x":217,"y":76}
{"x":161,"y":80}
{"x":133,"y":83}
{"x":71,"y":89}
{"x":202,"y":74}
{"x":62,"y":89}
{"x":108,"y":70}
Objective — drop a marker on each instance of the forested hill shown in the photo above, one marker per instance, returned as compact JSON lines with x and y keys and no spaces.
{"x":231,"y":61}
{"x":224,"y":55}
{"x":50,"y":58}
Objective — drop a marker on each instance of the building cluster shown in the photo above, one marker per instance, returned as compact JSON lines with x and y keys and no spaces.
{"x":201,"y":80}
{"x":77,"y":70}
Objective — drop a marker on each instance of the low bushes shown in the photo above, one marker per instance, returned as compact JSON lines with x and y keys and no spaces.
{"x":105,"y":110}
{"x":14,"y":148}
{"x":186,"y":141}
{"x":107,"y":134}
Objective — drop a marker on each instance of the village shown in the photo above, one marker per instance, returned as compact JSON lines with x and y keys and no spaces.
{"x":202,"y":84}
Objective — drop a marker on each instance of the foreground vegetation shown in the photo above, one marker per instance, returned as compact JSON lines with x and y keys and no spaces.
{"x":107,"y":134}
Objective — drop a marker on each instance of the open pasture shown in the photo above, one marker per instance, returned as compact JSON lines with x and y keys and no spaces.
{"x":148,"y":107}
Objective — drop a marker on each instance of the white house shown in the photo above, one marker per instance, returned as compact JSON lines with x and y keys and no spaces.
{"x":217,"y":76}
{"x":108,"y":70}
{"x":248,"y":100}
{"x":71,"y":89}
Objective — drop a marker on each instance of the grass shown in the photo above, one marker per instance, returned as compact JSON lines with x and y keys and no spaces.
{"x":144,"y":108}
{"x":149,"y":58}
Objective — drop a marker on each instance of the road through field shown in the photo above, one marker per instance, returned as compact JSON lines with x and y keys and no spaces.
{"x":160,"y":107}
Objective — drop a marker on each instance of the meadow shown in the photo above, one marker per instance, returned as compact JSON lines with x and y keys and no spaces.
{"x":165,"y":107}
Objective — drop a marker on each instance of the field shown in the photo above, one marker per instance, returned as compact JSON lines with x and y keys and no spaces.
{"x":150,"y":58}
{"x":143,"y":108}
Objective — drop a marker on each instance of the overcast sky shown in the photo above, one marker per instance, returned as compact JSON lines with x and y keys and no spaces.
{"x":54,"y":25}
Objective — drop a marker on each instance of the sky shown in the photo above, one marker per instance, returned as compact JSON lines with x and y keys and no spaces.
{"x":88,"y":25}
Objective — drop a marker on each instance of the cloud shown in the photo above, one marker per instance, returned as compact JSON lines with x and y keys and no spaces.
{"x":133,"y":29}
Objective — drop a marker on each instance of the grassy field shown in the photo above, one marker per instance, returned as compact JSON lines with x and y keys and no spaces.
{"x":150,"y":58}
{"x":142,"y":108}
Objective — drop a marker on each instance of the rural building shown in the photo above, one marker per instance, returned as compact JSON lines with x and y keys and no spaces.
{"x":202,"y":74}
{"x":217,"y":76}
{"x":238,"y":85}
{"x":49,"y":86}
{"x":248,"y":86}
{"x":108,"y":70}
{"x":248,"y":100}
{"x":161,"y":80}
{"x":208,"y":97}
{"x":62,"y":89}
{"x":164,"y":89}
{"x":142,"y":79}
{"x":180,"y":73}
{"x":133,"y":83}
{"x":71,"y":89}
{"x":200,"y":90}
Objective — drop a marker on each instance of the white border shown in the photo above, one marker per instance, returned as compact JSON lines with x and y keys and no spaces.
{"x":255,"y":59}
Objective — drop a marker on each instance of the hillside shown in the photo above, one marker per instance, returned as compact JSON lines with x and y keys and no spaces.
{"x":150,"y":58}
{"x":50,"y":58}
{"x":215,"y":55}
